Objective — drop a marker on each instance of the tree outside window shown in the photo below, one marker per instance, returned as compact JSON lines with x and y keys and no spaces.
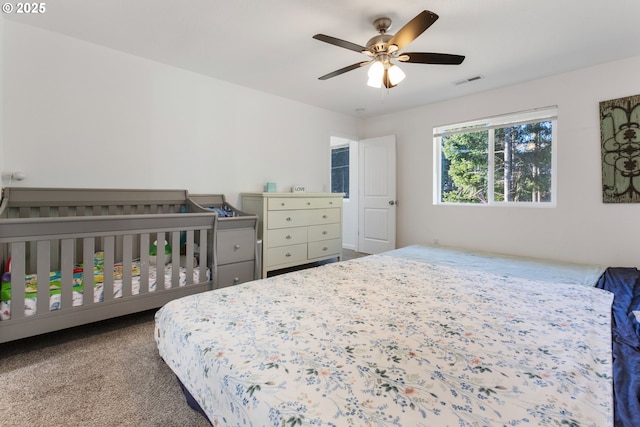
{"x":340,"y":170}
{"x":508,"y":159}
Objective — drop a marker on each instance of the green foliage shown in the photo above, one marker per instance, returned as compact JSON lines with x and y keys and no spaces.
{"x":464,"y":174}
{"x":522,"y":164}
{"x":253,"y":388}
{"x":294,"y":421}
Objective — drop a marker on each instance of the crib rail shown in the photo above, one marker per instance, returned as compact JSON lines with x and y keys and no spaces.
{"x":25,"y":202}
{"x":122,"y":239}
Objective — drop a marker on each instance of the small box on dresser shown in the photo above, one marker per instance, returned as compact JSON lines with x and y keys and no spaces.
{"x":296,"y":228}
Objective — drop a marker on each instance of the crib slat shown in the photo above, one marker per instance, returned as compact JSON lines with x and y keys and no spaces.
{"x":30,"y":258}
{"x":204,"y":250}
{"x":107,"y":284}
{"x":88,"y":284}
{"x":160,"y":261}
{"x":127,"y":255}
{"x":66,"y":264}
{"x":43,"y":269}
{"x":189,"y":254}
{"x":175,"y":259}
{"x":144,"y":263}
{"x":17,"y":279}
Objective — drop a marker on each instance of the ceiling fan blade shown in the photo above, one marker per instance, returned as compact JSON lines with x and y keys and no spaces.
{"x":413,"y":29}
{"x":340,"y":43}
{"x":431,"y":58}
{"x":344,"y":70}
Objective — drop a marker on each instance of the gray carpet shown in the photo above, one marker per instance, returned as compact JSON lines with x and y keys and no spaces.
{"x":104,"y":374}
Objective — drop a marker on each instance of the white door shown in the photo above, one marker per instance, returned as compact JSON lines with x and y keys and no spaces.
{"x":377,"y":194}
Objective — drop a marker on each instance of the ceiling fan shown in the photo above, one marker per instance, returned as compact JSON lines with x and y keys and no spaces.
{"x":385,"y":48}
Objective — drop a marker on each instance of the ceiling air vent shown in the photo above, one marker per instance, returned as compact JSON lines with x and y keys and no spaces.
{"x":470,"y":79}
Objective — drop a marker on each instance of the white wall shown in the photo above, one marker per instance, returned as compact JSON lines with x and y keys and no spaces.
{"x":581,"y":228}
{"x":2,"y":182}
{"x":81,"y":115}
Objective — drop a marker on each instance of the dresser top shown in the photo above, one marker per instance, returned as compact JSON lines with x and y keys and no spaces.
{"x":290,"y":194}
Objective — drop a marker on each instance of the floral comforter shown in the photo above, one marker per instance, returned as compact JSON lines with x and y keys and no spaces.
{"x":389,"y":340}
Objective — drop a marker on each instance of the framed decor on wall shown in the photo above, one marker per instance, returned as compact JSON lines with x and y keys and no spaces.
{"x":620,"y":135}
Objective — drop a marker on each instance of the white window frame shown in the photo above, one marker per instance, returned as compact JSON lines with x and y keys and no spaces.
{"x":490,"y":123}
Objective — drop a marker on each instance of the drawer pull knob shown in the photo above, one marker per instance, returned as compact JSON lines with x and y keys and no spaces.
{"x":282,"y":203}
{"x":236,"y":247}
{"x":324,"y":216}
{"x":288,"y":218}
{"x":288,"y":254}
{"x":325,"y":248}
{"x":236,"y":279}
{"x":325,"y":232}
{"x":288,"y":237}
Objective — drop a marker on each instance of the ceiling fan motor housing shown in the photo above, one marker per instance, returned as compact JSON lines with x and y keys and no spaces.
{"x":379,"y":43}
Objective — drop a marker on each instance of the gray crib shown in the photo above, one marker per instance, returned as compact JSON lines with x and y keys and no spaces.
{"x":52,"y":239}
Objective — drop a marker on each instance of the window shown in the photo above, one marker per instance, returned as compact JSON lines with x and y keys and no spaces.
{"x":340,"y":170}
{"x":500,"y":160}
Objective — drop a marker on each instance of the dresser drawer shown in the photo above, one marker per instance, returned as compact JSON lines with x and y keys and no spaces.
{"x":325,"y":248}
{"x":334,"y":202}
{"x":285,"y":219}
{"x":324,"y":216}
{"x":235,"y":245}
{"x":286,"y":236}
{"x":234,"y":274}
{"x":284,"y":203}
{"x":324,"y":232}
{"x":286,"y":254}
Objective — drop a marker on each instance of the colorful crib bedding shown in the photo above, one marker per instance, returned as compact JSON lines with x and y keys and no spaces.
{"x":396,"y":339}
{"x":55,"y":285}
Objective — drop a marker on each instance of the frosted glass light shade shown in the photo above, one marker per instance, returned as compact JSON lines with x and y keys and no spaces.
{"x":375,"y":74}
{"x":396,"y":75}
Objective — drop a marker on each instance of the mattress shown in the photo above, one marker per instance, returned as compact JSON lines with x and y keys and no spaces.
{"x":55,"y":285}
{"x":410,"y":337}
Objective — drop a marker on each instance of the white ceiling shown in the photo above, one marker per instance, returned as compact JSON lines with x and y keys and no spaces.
{"x":268,"y":45}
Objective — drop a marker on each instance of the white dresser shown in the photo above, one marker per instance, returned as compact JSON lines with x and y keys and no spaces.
{"x":296,"y":228}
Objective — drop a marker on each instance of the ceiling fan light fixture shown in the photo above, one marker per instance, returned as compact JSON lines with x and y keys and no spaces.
{"x":396,"y":75}
{"x":376,"y":71}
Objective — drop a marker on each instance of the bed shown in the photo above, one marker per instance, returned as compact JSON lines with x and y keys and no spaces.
{"x":69,"y":257}
{"x":419,"y":336}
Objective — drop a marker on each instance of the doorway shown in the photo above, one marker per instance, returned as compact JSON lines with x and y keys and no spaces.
{"x":369,"y":211}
